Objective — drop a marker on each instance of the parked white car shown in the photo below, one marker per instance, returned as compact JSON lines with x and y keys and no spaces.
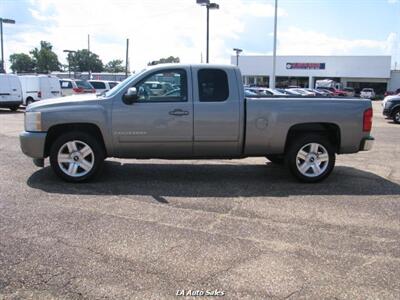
{"x":39,"y":87}
{"x":301,"y":91}
{"x":102,"y":86}
{"x":10,"y":91}
{"x":367,"y":93}
{"x":75,"y":87}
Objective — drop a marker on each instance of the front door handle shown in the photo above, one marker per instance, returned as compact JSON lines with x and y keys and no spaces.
{"x":178,"y":112}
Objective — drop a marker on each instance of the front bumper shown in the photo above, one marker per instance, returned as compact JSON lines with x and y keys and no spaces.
{"x":10,"y":103}
{"x":386,"y":112}
{"x":33,"y":143}
{"x":367,"y":143}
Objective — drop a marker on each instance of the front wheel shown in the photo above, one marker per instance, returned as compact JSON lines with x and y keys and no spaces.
{"x":76,"y":156}
{"x":396,"y":116}
{"x":311,"y":158}
{"x":29,"y":100}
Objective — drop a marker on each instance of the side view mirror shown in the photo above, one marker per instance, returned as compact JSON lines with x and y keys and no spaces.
{"x":130,"y":96}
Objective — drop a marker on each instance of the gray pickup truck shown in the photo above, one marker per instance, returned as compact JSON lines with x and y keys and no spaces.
{"x":193,"y":111}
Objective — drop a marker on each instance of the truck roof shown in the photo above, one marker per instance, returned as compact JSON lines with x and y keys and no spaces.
{"x":179,"y":65}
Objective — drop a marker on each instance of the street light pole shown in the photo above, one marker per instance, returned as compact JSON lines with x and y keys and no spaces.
{"x":272,"y":81}
{"x":208,"y":33}
{"x":209,"y":6}
{"x":5,"y":21}
{"x":126,"y":58}
{"x":69,"y":63}
{"x":238,"y":51}
{"x":2,"y":49}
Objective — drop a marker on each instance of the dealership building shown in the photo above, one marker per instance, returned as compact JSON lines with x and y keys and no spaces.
{"x":351,"y":71}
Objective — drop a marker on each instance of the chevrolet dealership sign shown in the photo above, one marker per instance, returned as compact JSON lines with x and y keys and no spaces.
{"x":305,"y":66}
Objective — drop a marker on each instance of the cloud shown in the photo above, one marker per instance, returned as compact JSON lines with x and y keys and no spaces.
{"x":155,"y":28}
{"x":393,"y":1}
{"x":295,"y":41}
{"x":176,"y":27}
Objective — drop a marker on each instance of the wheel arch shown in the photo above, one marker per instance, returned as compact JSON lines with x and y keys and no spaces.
{"x":395,"y":109}
{"x":55,"y":131}
{"x":330,"y":130}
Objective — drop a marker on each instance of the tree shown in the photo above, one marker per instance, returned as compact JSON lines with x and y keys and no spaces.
{"x":84,"y":61}
{"x":114,"y":66}
{"x":22,"y":63}
{"x":167,"y":60}
{"x":45,"y":59}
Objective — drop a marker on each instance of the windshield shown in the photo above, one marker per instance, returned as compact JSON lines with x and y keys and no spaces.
{"x":122,"y":84}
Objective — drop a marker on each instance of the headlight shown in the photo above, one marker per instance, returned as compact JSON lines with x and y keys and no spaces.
{"x":33,"y":121}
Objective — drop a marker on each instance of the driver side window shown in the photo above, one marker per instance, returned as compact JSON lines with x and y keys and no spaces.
{"x":163,"y":86}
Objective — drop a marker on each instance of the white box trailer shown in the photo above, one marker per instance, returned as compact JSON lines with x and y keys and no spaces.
{"x":39,"y":87}
{"x":10,"y":91}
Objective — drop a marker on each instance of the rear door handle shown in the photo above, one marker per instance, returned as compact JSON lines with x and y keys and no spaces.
{"x":178,"y":112}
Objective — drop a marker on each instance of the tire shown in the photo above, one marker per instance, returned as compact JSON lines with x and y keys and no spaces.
{"x":76,"y":157}
{"x":14,"y":108}
{"x":304,"y":163}
{"x":276,"y":158}
{"x":396,"y":116}
{"x":29,"y":100}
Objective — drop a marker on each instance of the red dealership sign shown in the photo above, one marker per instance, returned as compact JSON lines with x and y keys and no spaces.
{"x":305,"y":66}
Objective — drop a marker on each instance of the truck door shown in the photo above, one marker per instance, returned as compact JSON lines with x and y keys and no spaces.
{"x":15,"y":89}
{"x":160,"y":122}
{"x":217,"y":113}
{"x":5,"y":88}
{"x":55,"y":88}
{"x":46,"y":87}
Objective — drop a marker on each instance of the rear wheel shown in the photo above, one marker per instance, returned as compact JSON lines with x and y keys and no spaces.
{"x":29,"y":100}
{"x":276,"y":158}
{"x":396,"y":116}
{"x":76,"y":156}
{"x":310,"y":158}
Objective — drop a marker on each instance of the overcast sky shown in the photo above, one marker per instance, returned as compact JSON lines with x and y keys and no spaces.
{"x":160,"y":28}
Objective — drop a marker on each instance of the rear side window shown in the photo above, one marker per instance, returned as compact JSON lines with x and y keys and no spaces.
{"x":98,"y":85}
{"x":66,"y":84}
{"x":83,"y":84}
{"x":213,"y":85}
{"x":112,"y":84}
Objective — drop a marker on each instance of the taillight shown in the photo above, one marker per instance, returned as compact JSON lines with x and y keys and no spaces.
{"x":367,"y":120}
{"x":78,"y":90}
{"x":39,"y":94}
{"x":93,"y":90}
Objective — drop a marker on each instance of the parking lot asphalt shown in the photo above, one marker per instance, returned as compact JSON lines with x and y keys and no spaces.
{"x":148,"y":228}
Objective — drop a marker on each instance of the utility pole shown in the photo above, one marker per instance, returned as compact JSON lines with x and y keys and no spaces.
{"x":6,"y":21}
{"x":208,"y":33}
{"x":127,"y":57}
{"x":88,"y":48}
{"x":2,"y":49}
{"x":272,"y":80}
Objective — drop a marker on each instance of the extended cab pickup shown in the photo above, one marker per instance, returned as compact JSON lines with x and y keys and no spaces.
{"x":201,"y":113}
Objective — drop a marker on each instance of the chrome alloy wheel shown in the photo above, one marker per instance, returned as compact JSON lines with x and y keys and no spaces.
{"x":75,"y":158}
{"x":312,"y":160}
{"x":397,"y":116}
